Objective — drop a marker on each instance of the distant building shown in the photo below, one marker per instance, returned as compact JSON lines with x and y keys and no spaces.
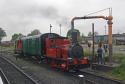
{"x":104,"y":38}
{"x":7,"y":43}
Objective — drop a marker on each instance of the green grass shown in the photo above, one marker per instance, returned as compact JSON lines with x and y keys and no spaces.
{"x":119,"y":72}
{"x":88,"y":52}
{"x":118,"y":56}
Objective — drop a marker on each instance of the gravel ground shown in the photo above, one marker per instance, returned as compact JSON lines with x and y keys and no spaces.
{"x":42,"y":73}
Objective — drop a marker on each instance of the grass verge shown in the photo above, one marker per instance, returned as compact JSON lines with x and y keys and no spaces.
{"x":119,"y":72}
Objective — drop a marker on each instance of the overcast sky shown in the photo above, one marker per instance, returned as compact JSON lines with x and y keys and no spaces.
{"x":22,"y":16}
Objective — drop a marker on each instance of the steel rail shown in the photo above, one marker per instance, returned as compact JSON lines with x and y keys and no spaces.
{"x":6,"y":61}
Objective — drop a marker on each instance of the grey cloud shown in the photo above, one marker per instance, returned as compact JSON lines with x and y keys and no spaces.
{"x":34,"y":11}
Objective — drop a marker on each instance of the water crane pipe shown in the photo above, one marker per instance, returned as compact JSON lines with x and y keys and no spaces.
{"x":109,"y":19}
{"x":89,"y":17}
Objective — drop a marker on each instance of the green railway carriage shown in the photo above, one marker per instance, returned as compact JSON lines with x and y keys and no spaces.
{"x":32,"y":45}
{"x":35,"y":45}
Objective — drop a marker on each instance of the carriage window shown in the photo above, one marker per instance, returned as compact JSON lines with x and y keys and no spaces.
{"x":28,"y":43}
{"x":37,"y":41}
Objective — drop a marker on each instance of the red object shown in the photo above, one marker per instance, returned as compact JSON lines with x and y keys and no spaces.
{"x":19,"y":44}
{"x":63,"y":65}
{"x":84,"y":61}
{"x":57,"y":48}
{"x":57,"y":51}
{"x":19,"y":47}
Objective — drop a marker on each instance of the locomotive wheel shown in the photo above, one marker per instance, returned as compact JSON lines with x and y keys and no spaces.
{"x":53,"y":64}
{"x":38,"y":59}
{"x":48,"y":61}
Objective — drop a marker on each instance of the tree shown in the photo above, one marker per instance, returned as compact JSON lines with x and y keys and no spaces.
{"x":34,"y":32}
{"x":83,"y":35}
{"x":2,"y":34}
{"x":95,"y":33}
{"x":90,"y":34}
{"x":123,"y":33}
{"x":16,"y":36}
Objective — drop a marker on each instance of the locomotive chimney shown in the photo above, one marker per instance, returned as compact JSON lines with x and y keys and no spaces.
{"x":74,"y":36}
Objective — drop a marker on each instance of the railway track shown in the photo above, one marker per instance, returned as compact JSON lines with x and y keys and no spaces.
{"x":13,"y":74}
{"x":3,"y":78}
{"x":91,"y":78}
{"x":101,"y":67}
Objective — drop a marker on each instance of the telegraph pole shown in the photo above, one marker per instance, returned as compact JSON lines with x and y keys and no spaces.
{"x":93,"y":47}
{"x":105,"y":29}
{"x":50,"y":28}
{"x":60,"y":28}
{"x":105,"y":35}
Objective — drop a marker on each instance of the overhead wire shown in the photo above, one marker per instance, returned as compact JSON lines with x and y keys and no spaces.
{"x":110,"y":11}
